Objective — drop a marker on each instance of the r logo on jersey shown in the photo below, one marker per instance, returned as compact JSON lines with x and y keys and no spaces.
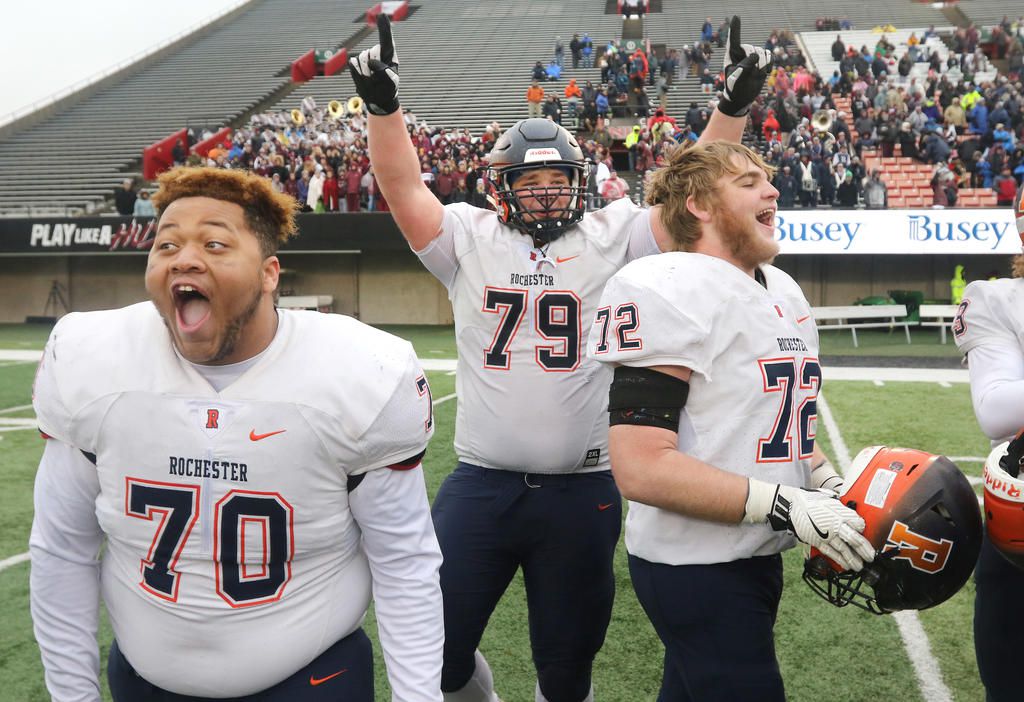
{"x":210,"y":419}
{"x":924,"y":554}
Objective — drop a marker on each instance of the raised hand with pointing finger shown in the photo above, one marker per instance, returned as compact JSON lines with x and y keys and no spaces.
{"x":375,"y":71}
{"x":746,"y":69}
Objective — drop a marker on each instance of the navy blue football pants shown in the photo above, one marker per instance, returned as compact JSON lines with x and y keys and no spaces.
{"x":998,"y":626}
{"x":319,"y":681}
{"x":562,"y":531}
{"x":716,"y":623}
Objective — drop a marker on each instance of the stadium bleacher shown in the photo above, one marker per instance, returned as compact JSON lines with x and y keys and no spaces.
{"x":76,"y":159}
{"x":464,"y":65}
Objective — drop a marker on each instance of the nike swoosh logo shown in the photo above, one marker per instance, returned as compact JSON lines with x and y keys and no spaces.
{"x":559,"y":259}
{"x":253,"y":436}
{"x":602,"y":508}
{"x":320,"y":681}
{"x":801,"y":320}
{"x":822,"y":534}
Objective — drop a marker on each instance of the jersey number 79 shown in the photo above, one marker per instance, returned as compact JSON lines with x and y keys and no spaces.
{"x":556,"y":319}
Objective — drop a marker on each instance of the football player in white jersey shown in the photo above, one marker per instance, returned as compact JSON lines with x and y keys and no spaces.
{"x":252,"y":476}
{"x":989,"y":331}
{"x":713,"y":419}
{"x":532,"y":488}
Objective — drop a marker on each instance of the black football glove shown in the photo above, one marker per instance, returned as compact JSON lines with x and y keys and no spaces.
{"x":745,"y":74}
{"x":375,"y":73}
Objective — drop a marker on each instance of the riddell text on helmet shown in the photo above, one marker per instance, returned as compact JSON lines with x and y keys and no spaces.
{"x":1003,"y":488}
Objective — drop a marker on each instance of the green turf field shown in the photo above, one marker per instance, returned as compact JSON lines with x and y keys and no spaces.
{"x":825,"y":653}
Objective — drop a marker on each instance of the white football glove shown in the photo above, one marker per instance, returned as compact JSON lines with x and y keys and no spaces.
{"x":375,"y":71}
{"x":825,"y":477}
{"x":815,"y":517}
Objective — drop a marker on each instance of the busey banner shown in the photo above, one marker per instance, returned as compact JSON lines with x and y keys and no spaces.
{"x":946,"y":231}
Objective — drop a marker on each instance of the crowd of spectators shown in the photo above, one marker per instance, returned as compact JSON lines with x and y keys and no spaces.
{"x":969,"y":129}
{"x":954,"y":113}
{"x":323,"y":162}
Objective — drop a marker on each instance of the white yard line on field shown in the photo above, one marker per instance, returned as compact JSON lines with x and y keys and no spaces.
{"x":894,"y":375}
{"x":13,"y":561}
{"x":20,"y":355}
{"x":18,"y":408}
{"x":438,"y":364}
{"x":915,"y":639}
{"x":441,"y":400}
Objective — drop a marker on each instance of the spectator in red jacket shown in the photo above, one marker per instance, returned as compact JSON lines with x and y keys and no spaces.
{"x":770,"y":126}
{"x":1005,"y":187}
{"x":330,"y":191}
{"x":353,"y":178}
{"x":444,"y":185}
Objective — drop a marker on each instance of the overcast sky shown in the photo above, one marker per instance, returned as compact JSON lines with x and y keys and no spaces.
{"x":48,"y":46}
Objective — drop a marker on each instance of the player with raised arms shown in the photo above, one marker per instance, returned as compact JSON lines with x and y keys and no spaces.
{"x":989,"y":331}
{"x":532,"y":488}
{"x":713,"y":421}
{"x":251,"y":474}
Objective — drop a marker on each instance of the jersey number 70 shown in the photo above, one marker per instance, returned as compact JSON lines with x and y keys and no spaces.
{"x":262,"y":517}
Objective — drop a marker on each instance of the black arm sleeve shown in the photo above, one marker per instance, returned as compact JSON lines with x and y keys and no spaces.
{"x":643,"y":397}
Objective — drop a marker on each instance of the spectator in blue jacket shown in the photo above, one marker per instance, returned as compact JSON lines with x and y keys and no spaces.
{"x":978,"y":118}
{"x":587,"y":50}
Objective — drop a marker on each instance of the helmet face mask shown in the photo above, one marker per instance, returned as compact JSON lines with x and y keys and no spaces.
{"x":922,"y":516}
{"x":543,"y":211}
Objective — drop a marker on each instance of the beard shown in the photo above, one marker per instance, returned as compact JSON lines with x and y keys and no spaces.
{"x":745,"y":245}
{"x":235,"y":326}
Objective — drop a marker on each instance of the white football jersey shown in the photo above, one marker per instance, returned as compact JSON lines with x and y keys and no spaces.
{"x":992,"y":311}
{"x":751,"y":407}
{"x":230,"y":542}
{"x":528,"y":397}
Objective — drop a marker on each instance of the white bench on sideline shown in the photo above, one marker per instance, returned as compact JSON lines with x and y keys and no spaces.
{"x":320,"y":303}
{"x":940,"y":316}
{"x":867,"y":316}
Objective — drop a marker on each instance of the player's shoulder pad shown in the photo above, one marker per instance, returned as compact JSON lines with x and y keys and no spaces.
{"x":104,"y":351}
{"x":696,"y":282}
{"x":91,"y":355}
{"x":611,"y":225}
{"x":467,"y":222}
{"x":675,"y":298}
{"x":989,"y":309}
{"x":345,"y":367}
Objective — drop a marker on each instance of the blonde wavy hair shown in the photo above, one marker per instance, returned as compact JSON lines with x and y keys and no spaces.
{"x":269,"y":214}
{"x":693,"y":171}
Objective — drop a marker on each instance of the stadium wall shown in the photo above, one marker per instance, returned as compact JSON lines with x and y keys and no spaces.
{"x":362,"y":261}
